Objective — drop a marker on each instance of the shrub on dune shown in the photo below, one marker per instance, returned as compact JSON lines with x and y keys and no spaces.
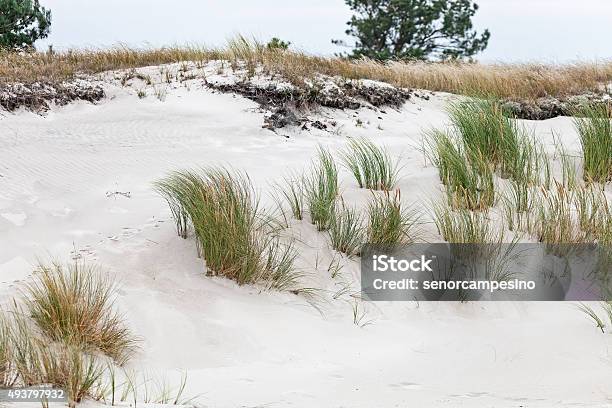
{"x":371,"y":165}
{"x":230,"y":229}
{"x":74,"y":304}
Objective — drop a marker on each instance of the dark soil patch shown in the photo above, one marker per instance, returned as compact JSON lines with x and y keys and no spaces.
{"x":38,"y":96}
{"x":287,"y":103}
{"x":548,"y":108}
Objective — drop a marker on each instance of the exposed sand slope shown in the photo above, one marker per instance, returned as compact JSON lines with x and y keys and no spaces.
{"x":77,"y":182}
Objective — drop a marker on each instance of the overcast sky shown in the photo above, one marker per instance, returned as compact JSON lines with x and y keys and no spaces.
{"x":521,"y":30}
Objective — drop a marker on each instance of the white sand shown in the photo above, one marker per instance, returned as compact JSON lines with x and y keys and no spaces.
{"x":60,"y":179}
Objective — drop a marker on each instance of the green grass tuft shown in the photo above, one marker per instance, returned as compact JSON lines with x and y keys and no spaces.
{"x":371,"y":165}
{"x":389,"y":223}
{"x":322,"y":189}
{"x":467,"y":175}
{"x":595,"y":130}
{"x":346,"y":230}
{"x":231,"y":230}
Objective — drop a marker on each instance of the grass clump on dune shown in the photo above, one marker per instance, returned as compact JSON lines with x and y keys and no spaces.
{"x":389,"y":223}
{"x":484,"y":130}
{"x":322,"y":189}
{"x":595,"y":131}
{"x":292,"y":192}
{"x":230,"y":228}
{"x":371,"y":165}
{"x":75,"y":305}
{"x":462,"y":226}
{"x":467,"y":175}
{"x":346,"y":230}
{"x":35,"y":359}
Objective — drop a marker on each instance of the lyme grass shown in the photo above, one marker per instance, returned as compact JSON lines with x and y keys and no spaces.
{"x":230,"y":228}
{"x":68,"y":367}
{"x":389,"y":222}
{"x":7,"y":372}
{"x":371,"y":165}
{"x":593,"y":212}
{"x":595,"y":130}
{"x":346,"y":230}
{"x":74,"y":304}
{"x":322,"y":189}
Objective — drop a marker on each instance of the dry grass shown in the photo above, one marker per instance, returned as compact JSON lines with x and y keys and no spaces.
{"x":34,"y":359}
{"x":74,"y":305}
{"x":499,"y":80}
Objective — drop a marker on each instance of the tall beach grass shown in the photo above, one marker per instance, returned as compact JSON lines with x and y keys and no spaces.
{"x":371,"y":165}
{"x":75,"y":304}
{"x":230,"y":227}
{"x":321,"y":186}
{"x":594,"y":126}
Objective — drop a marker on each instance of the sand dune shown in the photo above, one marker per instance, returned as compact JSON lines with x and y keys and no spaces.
{"x":77,"y":182}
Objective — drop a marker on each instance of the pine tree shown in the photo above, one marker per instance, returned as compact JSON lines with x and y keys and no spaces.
{"x":22,"y":22}
{"x":414,"y":29}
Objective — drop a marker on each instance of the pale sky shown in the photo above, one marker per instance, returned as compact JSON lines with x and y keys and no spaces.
{"x":521,"y":30}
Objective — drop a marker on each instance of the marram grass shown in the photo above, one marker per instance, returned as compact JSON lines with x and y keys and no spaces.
{"x":371,"y":165}
{"x":321,"y":187}
{"x":346,"y":230}
{"x":230,"y":228}
{"x":74,"y":304}
{"x":595,"y":130}
{"x":467,"y":175}
{"x":389,"y":222}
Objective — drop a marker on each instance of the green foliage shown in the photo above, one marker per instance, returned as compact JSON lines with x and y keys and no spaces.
{"x":292,"y":192}
{"x":466,"y":174}
{"x":389,"y":222}
{"x":595,"y":130}
{"x":371,"y":165}
{"x":322,"y":189}
{"x":229,"y":226}
{"x":278,"y":44}
{"x":461,"y":226}
{"x":414,"y":29}
{"x":22,"y":22}
{"x":75,"y":305}
{"x":346,"y":230}
{"x":485,"y":130}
